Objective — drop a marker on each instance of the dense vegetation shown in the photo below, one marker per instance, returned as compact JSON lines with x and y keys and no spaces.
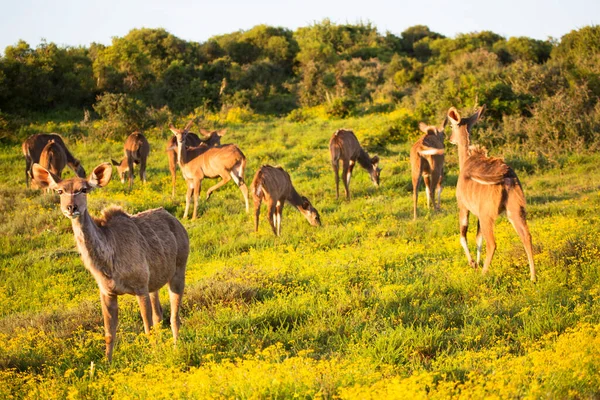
{"x":371,"y":304}
{"x":537,"y":92}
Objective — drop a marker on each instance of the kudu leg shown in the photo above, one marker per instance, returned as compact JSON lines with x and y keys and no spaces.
{"x":256,"y":200}
{"x":146,"y":310}
{"x":416,"y":182}
{"x":173,"y":168}
{"x":273,"y":218}
{"x":110,"y":313}
{"x":143,"y":170}
{"x":28,"y":162}
{"x":346,"y":174}
{"x":223,"y":181}
{"x":176,"y":286}
{"x":436,"y":180}
{"x":479,"y":241}
{"x":188,"y":197}
{"x":279,"y":210}
{"x":130,"y":164}
{"x":439,"y":190}
{"x":427,"y":181}
{"x":487,"y":229}
{"x":519,"y":222}
{"x":197,"y":188}
{"x":463,"y":217}
{"x":157,"y":312}
{"x":336,"y":174}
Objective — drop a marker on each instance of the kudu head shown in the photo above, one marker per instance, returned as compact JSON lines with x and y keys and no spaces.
{"x":434,"y":130}
{"x":122,"y":168}
{"x":375,"y":170}
{"x":462,"y":126}
{"x":213,"y":138}
{"x":310,"y":213}
{"x":181,"y":134}
{"x":73,"y":192}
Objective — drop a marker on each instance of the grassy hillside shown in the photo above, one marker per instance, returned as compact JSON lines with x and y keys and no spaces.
{"x":371,"y":304}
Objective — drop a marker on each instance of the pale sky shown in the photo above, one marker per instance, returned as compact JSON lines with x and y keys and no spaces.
{"x":81,"y":22}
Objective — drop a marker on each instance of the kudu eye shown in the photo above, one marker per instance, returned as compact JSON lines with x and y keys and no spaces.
{"x":59,"y":191}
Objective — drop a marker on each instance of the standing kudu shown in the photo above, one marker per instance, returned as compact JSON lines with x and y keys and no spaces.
{"x":53,"y":158}
{"x":344,"y":146}
{"x":32,"y":150}
{"x":486,"y":187}
{"x":274,"y":185}
{"x":136,"y":151}
{"x":197,"y":163}
{"x":126,"y":254}
{"x":427,"y":160}
{"x":211,"y":138}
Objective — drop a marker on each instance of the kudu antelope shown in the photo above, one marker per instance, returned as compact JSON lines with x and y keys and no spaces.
{"x":274,"y":185}
{"x":211,"y":138}
{"x":344,"y":146}
{"x":136,"y":151}
{"x":53,"y":158}
{"x":32,"y":150}
{"x":427,"y":160}
{"x":126,"y":254}
{"x":486,"y":187}
{"x":197,"y":163}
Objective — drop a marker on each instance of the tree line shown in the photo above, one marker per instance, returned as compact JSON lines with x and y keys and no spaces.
{"x":535,"y":90}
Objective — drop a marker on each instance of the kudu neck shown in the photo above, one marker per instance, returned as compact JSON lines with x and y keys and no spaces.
{"x":295,"y":199}
{"x":364,"y":160}
{"x":463,"y":144}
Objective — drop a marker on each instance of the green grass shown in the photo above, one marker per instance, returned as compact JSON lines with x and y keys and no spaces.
{"x":370,"y":304}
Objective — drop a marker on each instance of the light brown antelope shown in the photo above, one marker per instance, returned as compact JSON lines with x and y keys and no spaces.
{"x":126,"y":254}
{"x":32,"y":150}
{"x":53,"y":158}
{"x":427,"y":160}
{"x":344,"y":146}
{"x":197,"y":163}
{"x":274,"y":185}
{"x":486,"y":187}
{"x":136,"y":150}
{"x":211,"y":138}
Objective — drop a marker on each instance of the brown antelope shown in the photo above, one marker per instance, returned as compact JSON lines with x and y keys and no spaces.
{"x":486,"y":187}
{"x":344,"y":145}
{"x":32,"y":149}
{"x":427,"y":160}
{"x":53,"y":158}
{"x":136,"y":151}
{"x":275,"y":186}
{"x":197,"y":163}
{"x":211,"y":138}
{"x":126,"y":254}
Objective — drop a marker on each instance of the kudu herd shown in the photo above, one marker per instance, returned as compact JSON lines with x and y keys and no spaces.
{"x":138,"y":254}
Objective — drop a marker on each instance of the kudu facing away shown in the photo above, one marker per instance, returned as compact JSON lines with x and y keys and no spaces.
{"x":136,"y":151}
{"x":275,"y":186}
{"x":32,"y":150}
{"x":344,"y":146}
{"x":53,"y":158}
{"x":486,"y":187}
{"x":211,"y":138}
{"x":126,"y":254}
{"x":427,"y":160}
{"x":197,"y":163}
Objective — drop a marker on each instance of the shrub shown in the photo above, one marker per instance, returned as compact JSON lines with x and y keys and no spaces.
{"x":341,"y":107}
{"x":122,"y":110}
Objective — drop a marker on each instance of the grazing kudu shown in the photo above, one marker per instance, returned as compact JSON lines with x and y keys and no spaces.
{"x":53,"y":158}
{"x":126,"y":254}
{"x":344,"y":146}
{"x":32,"y":150}
{"x":136,"y":151}
{"x":197,"y":163}
{"x":211,"y":138}
{"x":486,"y":187}
{"x":274,"y":185}
{"x":427,"y":160}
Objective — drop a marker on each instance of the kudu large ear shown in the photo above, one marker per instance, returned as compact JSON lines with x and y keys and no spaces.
{"x":100,"y":175}
{"x":475,"y":117}
{"x":454,"y":116}
{"x":114,"y":162}
{"x":43,"y":177}
{"x":443,"y":124}
{"x":173,"y":129}
{"x":188,"y":126}
{"x":375,"y":160}
{"x":305,"y":203}
{"x":222,"y":132}
{"x":423,"y":127}
{"x":205,"y":132}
